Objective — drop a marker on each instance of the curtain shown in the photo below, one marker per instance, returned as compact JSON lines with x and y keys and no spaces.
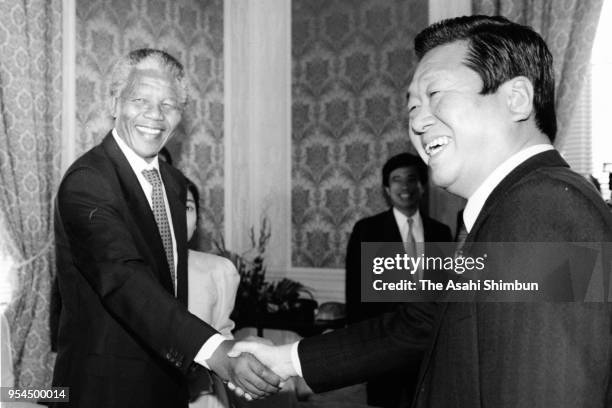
{"x":30,"y":125}
{"x":568,"y":27}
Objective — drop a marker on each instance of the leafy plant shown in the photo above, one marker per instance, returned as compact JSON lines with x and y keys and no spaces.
{"x":256,"y":295}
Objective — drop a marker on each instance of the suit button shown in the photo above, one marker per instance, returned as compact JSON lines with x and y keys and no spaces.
{"x":178,"y":364}
{"x":168,"y":356}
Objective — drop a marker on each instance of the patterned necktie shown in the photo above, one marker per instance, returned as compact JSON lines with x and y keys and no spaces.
{"x":461,"y":236}
{"x":410,"y":245}
{"x":161,"y":218}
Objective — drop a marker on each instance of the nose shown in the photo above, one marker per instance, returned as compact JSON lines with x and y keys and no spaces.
{"x":421,"y":120}
{"x":154,"y":111}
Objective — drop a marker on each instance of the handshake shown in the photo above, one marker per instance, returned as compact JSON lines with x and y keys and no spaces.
{"x":253,"y":368}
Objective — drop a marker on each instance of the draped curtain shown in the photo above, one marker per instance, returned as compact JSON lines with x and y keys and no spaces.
{"x":30,"y":126}
{"x":568,"y":27}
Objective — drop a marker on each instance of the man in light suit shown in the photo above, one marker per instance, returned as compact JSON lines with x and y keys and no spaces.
{"x":404,"y":178}
{"x":126,"y":338}
{"x":481,"y":106}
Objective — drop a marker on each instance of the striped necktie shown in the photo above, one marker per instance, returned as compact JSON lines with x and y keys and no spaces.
{"x":161,"y":218}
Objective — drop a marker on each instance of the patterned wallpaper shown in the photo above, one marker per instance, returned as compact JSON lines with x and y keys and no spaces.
{"x":192,"y":31}
{"x":352,"y":63}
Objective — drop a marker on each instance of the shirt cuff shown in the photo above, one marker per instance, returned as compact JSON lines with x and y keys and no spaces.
{"x":295,"y":359}
{"x":208,"y":349}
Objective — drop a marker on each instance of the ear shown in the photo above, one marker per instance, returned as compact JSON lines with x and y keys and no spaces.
{"x":112,"y":106}
{"x":519,"y":98}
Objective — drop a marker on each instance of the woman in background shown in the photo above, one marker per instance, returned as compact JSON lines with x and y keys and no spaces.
{"x":213,"y":282}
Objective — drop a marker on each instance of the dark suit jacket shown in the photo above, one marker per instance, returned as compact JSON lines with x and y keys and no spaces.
{"x":124,"y":339}
{"x":494,"y":354}
{"x":378,"y":228}
{"x":391,"y":389}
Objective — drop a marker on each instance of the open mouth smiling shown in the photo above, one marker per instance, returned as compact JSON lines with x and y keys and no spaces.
{"x":436,"y":145}
{"x":149,"y":130}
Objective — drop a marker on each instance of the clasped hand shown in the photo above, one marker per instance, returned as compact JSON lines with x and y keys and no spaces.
{"x":256,"y":368}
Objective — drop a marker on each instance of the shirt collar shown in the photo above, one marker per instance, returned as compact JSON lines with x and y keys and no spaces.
{"x":401,"y":218}
{"x":477,"y":200}
{"x":137,"y":163}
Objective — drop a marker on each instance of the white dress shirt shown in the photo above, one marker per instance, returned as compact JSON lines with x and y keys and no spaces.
{"x":418,"y":231}
{"x":139,"y":164}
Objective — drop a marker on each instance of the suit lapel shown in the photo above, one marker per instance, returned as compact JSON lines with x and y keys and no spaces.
{"x":141,"y":212}
{"x":176,"y":200}
{"x":390,"y":228}
{"x":428,"y":231}
{"x":549,"y":158}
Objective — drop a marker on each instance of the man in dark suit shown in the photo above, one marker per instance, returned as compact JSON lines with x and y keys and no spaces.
{"x":126,"y":338}
{"x":404,"y":178}
{"x":481,"y":106}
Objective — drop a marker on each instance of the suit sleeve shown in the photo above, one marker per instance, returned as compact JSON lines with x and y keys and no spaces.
{"x":104,"y":251}
{"x":368,"y":349}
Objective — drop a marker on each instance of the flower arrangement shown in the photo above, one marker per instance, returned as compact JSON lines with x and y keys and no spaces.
{"x":255,"y":295}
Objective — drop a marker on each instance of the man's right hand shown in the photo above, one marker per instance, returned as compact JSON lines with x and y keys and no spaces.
{"x":244,"y":371}
{"x":277,"y":358}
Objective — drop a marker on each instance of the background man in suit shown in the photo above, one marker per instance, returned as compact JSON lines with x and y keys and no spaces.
{"x":126,"y":338}
{"x":404,"y":178}
{"x":481,"y":106}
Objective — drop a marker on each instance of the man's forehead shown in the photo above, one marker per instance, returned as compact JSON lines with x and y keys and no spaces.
{"x":149,"y":77}
{"x":437,"y":62}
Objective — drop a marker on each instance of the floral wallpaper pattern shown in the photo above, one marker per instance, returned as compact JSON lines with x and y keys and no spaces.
{"x":192,"y":31}
{"x":30,"y":134}
{"x":352,"y":63}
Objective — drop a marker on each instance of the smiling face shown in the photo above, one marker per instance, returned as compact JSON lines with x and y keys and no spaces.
{"x":405,"y":189}
{"x":458,"y":132}
{"x":147,"y":112}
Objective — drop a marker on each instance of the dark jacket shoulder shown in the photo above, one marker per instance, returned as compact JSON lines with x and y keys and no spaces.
{"x":550,"y":203}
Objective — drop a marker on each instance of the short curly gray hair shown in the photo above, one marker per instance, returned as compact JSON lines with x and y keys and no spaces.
{"x":147,"y":58}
